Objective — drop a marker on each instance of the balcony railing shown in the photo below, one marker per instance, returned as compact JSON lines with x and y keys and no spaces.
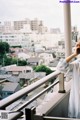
{"x":14,"y":97}
{"x":2,"y":81}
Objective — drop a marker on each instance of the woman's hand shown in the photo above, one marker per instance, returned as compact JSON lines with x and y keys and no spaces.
{"x":77,"y":50}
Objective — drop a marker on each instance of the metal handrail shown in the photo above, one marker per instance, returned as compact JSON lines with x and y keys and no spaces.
{"x":57,"y":118}
{"x":2,"y":81}
{"x":15,"y":115}
{"x":12,"y":98}
{"x":36,"y":96}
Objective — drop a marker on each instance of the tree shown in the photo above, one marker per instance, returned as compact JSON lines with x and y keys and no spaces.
{"x":10,"y":61}
{"x":22,"y":62}
{"x":4,"y":47}
{"x":43,"y":68}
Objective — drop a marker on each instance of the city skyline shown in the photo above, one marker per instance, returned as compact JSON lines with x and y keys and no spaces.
{"x":50,"y":11}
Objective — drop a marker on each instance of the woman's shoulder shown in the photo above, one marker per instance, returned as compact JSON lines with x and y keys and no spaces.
{"x":75,"y":61}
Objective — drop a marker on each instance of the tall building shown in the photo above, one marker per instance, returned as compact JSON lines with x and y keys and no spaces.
{"x":20,"y":24}
{"x":7,"y":27}
{"x":41,"y":28}
{"x":1,"y":28}
{"x":35,"y":24}
{"x":74,"y":33}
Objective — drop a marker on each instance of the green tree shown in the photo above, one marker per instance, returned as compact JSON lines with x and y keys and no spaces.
{"x":22,"y":62}
{"x":4,"y":48}
{"x":43,"y":68}
{"x":7,"y":61}
{"x":10,"y":61}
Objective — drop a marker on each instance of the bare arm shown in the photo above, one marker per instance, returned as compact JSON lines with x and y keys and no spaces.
{"x":75,"y":53}
{"x":71,"y":57}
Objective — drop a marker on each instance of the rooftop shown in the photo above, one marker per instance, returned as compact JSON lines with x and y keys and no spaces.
{"x":8,"y":86}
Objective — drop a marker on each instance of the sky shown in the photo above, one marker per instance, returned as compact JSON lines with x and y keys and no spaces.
{"x":50,"y":11}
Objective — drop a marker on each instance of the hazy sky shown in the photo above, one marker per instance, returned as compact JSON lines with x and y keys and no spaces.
{"x":50,"y":11}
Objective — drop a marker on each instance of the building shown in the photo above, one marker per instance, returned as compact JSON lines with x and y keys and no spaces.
{"x":55,"y":30}
{"x":15,"y":39}
{"x":18,"y":25}
{"x":31,"y":77}
{"x":35,"y":24}
{"x":16,"y":70}
{"x":75,"y":33}
{"x":7,"y":27}
{"x":34,"y":61}
{"x":47,"y":57}
{"x":1,"y":28}
{"x":9,"y":88}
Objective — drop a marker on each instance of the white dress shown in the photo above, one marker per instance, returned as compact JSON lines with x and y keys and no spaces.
{"x":72,"y":69}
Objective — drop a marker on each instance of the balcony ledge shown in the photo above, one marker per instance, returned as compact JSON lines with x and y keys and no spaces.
{"x":53,"y":100}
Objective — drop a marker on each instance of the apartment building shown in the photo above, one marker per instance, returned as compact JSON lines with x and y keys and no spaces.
{"x":6,"y":27}
{"x":19,"y":24}
{"x":1,"y":28}
{"x":35,"y":25}
{"x":15,"y":39}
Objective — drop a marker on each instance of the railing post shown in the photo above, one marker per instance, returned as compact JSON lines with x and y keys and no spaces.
{"x":38,"y":117}
{"x":61,"y":83}
{"x":29,"y":113}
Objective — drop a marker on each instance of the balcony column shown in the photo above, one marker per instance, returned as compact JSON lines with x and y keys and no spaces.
{"x":67,"y":29}
{"x":61,"y":84}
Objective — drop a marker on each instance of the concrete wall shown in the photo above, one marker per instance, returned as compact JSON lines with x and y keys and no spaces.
{"x":61,"y":108}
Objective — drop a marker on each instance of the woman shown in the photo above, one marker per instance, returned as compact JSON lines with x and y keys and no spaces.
{"x":72,"y":69}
